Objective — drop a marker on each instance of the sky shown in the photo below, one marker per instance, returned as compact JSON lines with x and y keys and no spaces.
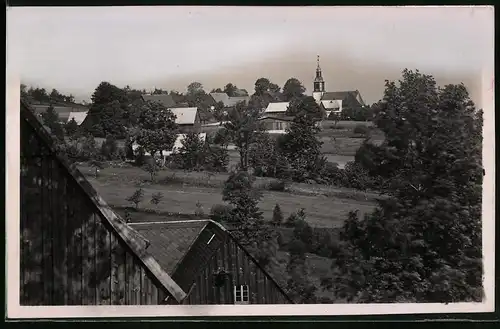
{"x":73,"y":49}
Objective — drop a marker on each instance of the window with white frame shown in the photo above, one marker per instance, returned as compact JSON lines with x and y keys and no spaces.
{"x":241,"y":294}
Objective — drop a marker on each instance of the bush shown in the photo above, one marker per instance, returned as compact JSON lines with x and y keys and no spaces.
{"x":277,"y":185}
{"x":361,"y":130}
{"x":221,"y":213}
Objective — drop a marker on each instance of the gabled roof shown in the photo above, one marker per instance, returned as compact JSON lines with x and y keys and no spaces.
{"x":332,"y":104}
{"x":171,"y":243}
{"x":220,"y":97}
{"x":352,"y":97}
{"x":185,"y":115}
{"x":229,"y":101}
{"x":78,"y":116}
{"x":130,"y":237}
{"x":164,"y":99}
{"x":277,"y":107}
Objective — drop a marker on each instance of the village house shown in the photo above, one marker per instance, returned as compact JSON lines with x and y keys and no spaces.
{"x":274,"y":118}
{"x":187,"y":118}
{"x":75,"y":250}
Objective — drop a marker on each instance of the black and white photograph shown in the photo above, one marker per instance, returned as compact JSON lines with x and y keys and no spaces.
{"x":206,"y":160}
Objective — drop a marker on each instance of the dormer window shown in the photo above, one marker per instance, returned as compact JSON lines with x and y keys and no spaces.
{"x":241,"y":294}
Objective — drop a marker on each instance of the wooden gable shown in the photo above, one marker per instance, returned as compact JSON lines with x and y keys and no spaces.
{"x":74,"y":249}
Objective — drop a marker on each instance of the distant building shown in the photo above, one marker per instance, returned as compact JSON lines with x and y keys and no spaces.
{"x":187,"y":118}
{"x":276,"y":124}
{"x":64,"y":112}
{"x":207,"y":262}
{"x":334,"y":101}
{"x":164,"y":99}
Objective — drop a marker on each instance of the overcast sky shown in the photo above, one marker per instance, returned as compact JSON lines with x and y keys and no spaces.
{"x":73,"y":49}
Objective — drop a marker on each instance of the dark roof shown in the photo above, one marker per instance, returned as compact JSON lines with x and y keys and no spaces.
{"x":170,"y":241}
{"x":350,"y":97}
{"x":165,"y":99}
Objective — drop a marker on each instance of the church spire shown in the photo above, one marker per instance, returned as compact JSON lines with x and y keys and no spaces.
{"x":319,"y":84}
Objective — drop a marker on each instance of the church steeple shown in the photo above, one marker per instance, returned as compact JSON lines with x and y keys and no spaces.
{"x":319,"y":83}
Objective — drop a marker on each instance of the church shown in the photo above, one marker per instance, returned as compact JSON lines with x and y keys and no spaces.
{"x":334,"y":101}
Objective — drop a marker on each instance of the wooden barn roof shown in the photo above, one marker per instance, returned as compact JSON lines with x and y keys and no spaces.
{"x":137,"y":243}
{"x":170,"y":241}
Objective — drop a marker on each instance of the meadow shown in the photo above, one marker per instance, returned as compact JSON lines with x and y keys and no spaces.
{"x":324,"y":206}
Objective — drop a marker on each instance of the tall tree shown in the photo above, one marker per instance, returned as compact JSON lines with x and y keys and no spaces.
{"x":242,"y":129}
{"x":250,"y":228}
{"x":230,"y":89}
{"x":157,"y":128}
{"x":107,"y":111}
{"x":293,"y":88}
{"x":194,"y":88}
{"x":261,"y":86}
{"x":423,"y":242}
{"x":301,"y":147}
{"x":192,"y":152}
{"x":51,"y":120}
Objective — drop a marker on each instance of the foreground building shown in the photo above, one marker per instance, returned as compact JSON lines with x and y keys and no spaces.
{"x":74,"y":250}
{"x":209,"y":264}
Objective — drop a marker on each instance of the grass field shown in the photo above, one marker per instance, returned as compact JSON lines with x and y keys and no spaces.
{"x":325,"y":207}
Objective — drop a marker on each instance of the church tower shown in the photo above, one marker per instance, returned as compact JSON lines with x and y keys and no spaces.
{"x":319,"y":84}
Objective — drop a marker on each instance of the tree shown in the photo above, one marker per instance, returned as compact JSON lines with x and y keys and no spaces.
{"x":293,"y":88}
{"x":301,"y":148}
{"x":242,"y":129}
{"x":299,"y":288}
{"x":305,"y":106}
{"x":51,"y":119}
{"x":157,"y":128}
{"x":277,"y":216}
{"x":230,"y":89}
{"x":109,"y":148}
{"x":156,"y":198}
{"x":218,"y":111}
{"x":266,"y":158}
{"x":107,"y":111}
{"x":251,"y":229}
{"x":71,"y":127}
{"x":136,"y":198}
{"x":261,"y":86}
{"x":194,"y":88}
{"x":97,"y":165}
{"x":152,"y":168}
{"x":423,"y":242}
{"x":192,"y":154}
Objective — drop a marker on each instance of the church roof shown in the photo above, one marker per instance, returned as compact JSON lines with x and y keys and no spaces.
{"x":351,"y":97}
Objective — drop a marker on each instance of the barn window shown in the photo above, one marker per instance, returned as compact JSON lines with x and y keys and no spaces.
{"x":241,"y":294}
